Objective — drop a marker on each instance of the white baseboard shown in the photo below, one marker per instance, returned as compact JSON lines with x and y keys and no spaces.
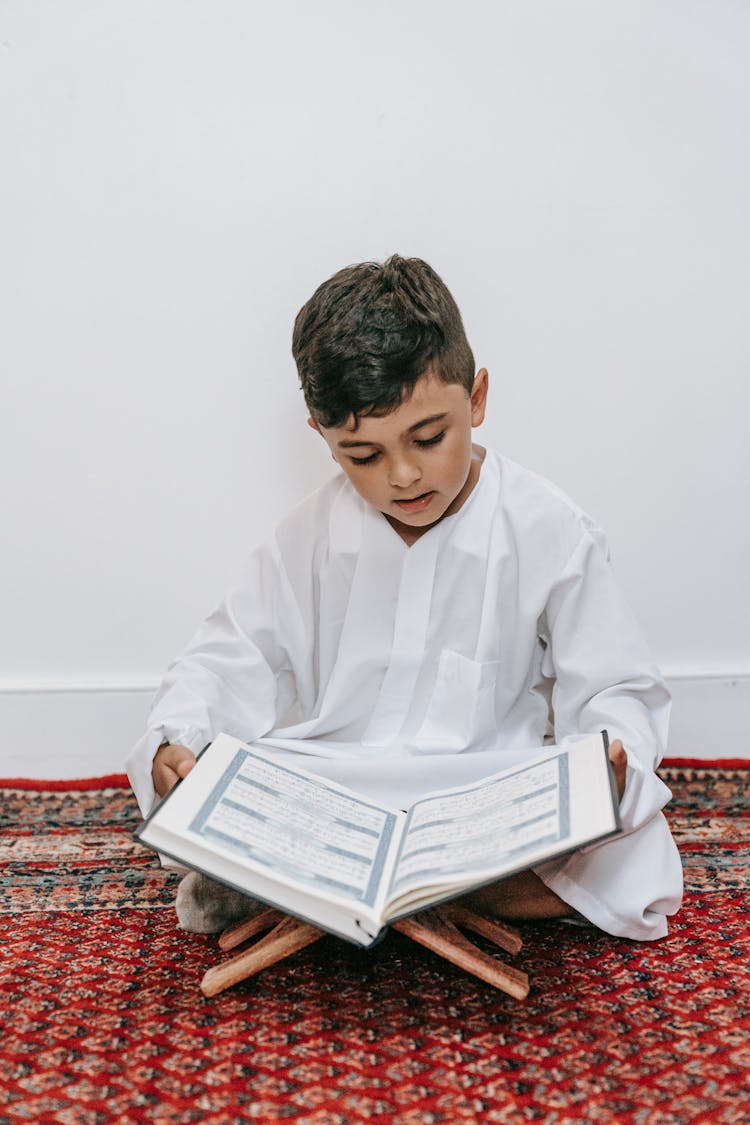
{"x":710,"y":716}
{"x":70,"y":728}
{"x":77,"y":728}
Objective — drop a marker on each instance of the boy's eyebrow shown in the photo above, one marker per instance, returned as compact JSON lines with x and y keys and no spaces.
{"x":416,"y":426}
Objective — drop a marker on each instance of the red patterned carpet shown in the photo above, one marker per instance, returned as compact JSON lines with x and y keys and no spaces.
{"x":103,"y":1021}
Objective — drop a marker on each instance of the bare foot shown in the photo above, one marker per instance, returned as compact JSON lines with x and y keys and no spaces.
{"x":521,"y":897}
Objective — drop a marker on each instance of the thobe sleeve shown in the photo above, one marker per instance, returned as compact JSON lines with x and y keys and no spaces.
{"x":605,"y":678}
{"x":236,"y":675}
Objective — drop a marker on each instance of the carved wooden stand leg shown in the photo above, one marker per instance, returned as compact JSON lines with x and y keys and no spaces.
{"x":287,"y":936}
{"x":437,"y":929}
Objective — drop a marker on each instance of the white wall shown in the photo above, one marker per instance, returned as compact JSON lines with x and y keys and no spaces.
{"x":178,"y":175}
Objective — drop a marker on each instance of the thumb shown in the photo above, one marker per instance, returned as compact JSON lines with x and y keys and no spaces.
{"x":185,"y":764}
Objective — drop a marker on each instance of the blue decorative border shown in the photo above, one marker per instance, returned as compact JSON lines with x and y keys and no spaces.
{"x":563,"y":785}
{"x":275,"y":865}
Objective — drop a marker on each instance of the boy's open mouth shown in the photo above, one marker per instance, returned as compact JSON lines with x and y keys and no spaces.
{"x":416,"y":502}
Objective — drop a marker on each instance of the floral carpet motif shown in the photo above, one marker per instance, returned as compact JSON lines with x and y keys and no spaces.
{"x":103,"y":1020}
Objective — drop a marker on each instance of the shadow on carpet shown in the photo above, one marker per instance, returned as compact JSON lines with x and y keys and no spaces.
{"x":105,"y":1022}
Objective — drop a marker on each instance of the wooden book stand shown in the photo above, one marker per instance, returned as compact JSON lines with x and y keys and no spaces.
{"x":437,"y":929}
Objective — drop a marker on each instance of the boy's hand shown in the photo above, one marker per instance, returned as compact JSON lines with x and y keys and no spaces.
{"x":619,"y":759}
{"x":172,"y":762}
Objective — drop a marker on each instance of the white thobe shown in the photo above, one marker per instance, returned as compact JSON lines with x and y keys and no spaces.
{"x":399,"y":670}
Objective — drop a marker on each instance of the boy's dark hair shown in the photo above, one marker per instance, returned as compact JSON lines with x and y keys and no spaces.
{"x":367,"y":335}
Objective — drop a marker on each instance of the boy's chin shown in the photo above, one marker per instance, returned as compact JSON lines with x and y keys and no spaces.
{"x":420,"y":519}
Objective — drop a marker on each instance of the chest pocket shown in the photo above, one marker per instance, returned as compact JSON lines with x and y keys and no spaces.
{"x":461,"y":712}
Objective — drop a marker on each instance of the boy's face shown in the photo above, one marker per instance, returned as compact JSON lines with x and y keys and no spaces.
{"x":414,"y":465}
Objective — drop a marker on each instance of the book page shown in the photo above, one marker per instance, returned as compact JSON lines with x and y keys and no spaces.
{"x":487,"y":826}
{"x":307,"y":831}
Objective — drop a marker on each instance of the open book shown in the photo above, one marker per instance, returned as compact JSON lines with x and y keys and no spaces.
{"x":348,"y":865}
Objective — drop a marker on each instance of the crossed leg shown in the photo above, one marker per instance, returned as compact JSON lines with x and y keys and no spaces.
{"x":519,"y":898}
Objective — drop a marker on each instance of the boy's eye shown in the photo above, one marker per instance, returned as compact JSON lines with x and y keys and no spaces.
{"x":421,"y":442}
{"x":431,"y":440}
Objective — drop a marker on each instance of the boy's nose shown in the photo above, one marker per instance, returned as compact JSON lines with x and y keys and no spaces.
{"x":402,"y":473}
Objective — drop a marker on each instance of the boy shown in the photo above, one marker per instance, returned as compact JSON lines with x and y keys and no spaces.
{"x":429,"y":616}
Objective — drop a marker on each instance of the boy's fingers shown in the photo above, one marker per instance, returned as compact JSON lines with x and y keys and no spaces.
{"x":170,"y":764}
{"x":177,"y":758}
{"x":619,"y":759}
{"x":185,"y":764}
{"x":618,"y":752}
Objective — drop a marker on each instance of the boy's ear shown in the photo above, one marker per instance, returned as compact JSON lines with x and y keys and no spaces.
{"x":314,"y":426}
{"x":479,"y":396}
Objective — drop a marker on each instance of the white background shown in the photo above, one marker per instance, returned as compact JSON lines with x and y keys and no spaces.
{"x":179,"y":175}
